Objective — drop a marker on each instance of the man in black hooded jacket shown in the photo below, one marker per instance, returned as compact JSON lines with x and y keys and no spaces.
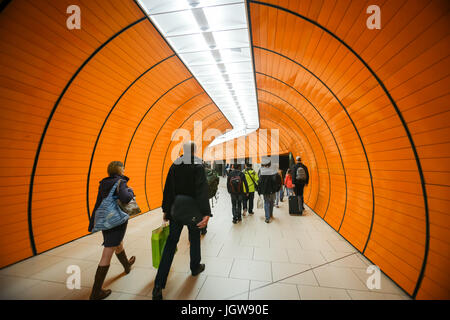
{"x":186,"y":177}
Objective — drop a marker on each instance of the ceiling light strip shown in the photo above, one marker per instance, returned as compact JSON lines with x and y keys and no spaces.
{"x":212,"y":39}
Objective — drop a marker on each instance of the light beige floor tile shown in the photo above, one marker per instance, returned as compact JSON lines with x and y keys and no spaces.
{"x":127,"y":296}
{"x":45,"y":290}
{"x":365,"y":295}
{"x":325,"y":235}
{"x":342,"y":246}
{"x":305,"y":256}
{"x":220,"y":267}
{"x":236,"y":251}
{"x":181,"y":263}
{"x":304,"y":278}
{"x":139,"y":282}
{"x":183,"y":286}
{"x":281,"y":270}
{"x":336,"y":277}
{"x":252,"y":270}
{"x":31,"y":266}
{"x":351,"y":261}
{"x":284,"y":243}
{"x":271,"y":254}
{"x":331,"y":256}
{"x":243,"y":296}
{"x":210,"y":250}
{"x":82,"y":251}
{"x":276,"y":291}
{"x":11,"y":287}
{"x":254,"y":284}
{"x":217,"y":288}
{"x":255,"y":241}
{"x":78,"y":294}
{"x":317,"y":245}
{"x":321,"y":293}
{"x":60,"y":271}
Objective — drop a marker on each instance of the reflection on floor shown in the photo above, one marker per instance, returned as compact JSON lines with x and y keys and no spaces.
{"x":293,"y":257}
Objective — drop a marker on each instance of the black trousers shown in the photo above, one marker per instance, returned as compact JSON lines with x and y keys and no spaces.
{"x":250,"y":199}
{"x":298,"y":190}
{"x":170,"y":247}
{"x":236,"y":205}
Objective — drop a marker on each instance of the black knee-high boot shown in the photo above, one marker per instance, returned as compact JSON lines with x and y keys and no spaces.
{"x":125,"y":262}
{"x":97,"y":292}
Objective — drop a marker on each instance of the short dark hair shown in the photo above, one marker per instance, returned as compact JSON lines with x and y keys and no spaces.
{"x":114,"y":168}
{"x":248,"y":165}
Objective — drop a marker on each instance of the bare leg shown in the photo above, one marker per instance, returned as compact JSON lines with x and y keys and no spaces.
{"x":119,"y":248}
{"x":106,"y":256}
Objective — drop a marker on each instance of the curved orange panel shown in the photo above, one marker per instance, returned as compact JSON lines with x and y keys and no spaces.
{"x":380,"y":92}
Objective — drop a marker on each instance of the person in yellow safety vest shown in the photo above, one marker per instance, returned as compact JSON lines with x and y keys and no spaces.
{"x":252,"y":180}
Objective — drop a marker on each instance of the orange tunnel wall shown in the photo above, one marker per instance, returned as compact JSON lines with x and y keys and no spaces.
{"x":368,"y":110}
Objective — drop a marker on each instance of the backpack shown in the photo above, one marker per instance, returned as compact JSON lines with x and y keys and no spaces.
{"x":300,"y":174}
{"x":235,"y":183}
{"x":213,"y":182}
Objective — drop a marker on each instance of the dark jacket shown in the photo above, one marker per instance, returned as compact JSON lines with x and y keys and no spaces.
{"x":188,"y":179}
{"x":269,"y":181}
{"x":234,"y":172}
{"x":125,"y":193}
{"x":294,"y":172}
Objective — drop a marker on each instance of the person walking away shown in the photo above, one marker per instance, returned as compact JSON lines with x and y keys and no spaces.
{"x":269,"y":184}
{"x":300,"y":179}
{"x":186,"y":177}
{"x":236,"y":184}
{"x":112,"y":238}
{"x":288,"y":183}
{"x":252,"y":181}
{"x":280,"y":193}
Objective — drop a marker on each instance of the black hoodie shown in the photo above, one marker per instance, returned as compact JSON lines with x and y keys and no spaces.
{"x":125,"y":193}
{"x":187,"y":178}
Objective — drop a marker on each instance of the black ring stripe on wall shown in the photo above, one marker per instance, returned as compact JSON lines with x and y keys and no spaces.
{"x":405,"y":126}
{"x":301,"y":130}
{"x":331,"y":132}
{"x":50,"y":117}
{"x":148,"y":110}
{"x":357,"y":132}
{"x":156,"y":137}
{"x":104,"y":123}
{"x":181,"y":126}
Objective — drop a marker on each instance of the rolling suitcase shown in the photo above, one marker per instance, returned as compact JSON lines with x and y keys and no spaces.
{"x":293,"y":206}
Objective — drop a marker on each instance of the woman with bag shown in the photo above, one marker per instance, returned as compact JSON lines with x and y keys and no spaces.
{"x":112,"y":237}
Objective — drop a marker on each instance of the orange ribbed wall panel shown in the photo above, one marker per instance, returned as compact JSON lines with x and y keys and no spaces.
{"x":384,"y":95}
{"x":80,"y":99}
{"x":38,"y":58}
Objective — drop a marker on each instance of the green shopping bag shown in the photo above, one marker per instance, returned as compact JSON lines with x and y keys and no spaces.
{"x":159,"y":238}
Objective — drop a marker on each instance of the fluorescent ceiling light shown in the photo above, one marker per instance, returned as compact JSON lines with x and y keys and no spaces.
{"x":212,"y":38}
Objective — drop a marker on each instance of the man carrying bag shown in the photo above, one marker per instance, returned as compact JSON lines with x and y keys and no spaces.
{"x":185,"y":202}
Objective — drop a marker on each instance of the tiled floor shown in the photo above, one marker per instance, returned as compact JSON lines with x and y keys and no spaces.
{"x":291,"y":258}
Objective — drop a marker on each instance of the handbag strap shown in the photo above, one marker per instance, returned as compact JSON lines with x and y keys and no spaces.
{"x":116,"y":185}
{"x":249,"y":174}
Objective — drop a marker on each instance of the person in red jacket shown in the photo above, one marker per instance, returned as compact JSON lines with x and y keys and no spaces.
{"x":288,"y":183}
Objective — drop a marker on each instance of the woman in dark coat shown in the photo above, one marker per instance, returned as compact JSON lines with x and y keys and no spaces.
{"x":113,"y":237}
